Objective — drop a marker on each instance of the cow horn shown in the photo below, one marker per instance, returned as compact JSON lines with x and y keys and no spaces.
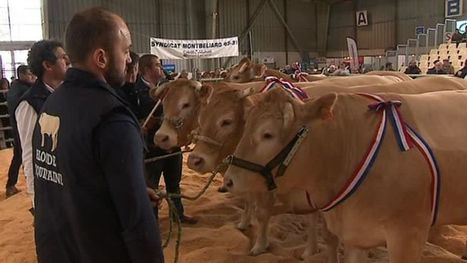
{"x":243,"y":68}
{"x":158,"y":92}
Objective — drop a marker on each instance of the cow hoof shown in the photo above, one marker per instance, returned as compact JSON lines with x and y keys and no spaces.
{"x":257,"y":250}
{"x":242,"y":226}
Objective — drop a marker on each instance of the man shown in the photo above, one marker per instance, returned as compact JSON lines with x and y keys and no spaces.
{"x":151,"y":75}
{"x":388,"y":67}
{"x":91,"y":201}
{"x":447,"y":67}
{"x":127,"y":91}
{"x":49,"y":62}
{"x":437,"y":68}
{"x":18,"y":88}
{"x":412,"y":68}
{"x":461,"y":73}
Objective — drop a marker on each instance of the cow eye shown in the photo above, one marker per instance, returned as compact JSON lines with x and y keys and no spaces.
{"x":185,"y":105}
{"x":267,"y":136}
{"x":225,"y":123}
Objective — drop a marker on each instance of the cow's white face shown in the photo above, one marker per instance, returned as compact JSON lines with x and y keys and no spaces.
{"x":267,"y":131}
{"x":180,"y":105}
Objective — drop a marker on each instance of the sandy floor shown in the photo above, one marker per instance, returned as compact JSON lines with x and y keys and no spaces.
{"x":214,"y":238}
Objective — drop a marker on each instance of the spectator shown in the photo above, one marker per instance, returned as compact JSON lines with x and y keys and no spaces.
{"x":456,"y":37}
{"x":388,"y":67}
{"x":412,"y":68}
{"x":18,"y":88}
{"x":437,"y":68}
{"x":447,"y":67}
{"x":463,"y":71}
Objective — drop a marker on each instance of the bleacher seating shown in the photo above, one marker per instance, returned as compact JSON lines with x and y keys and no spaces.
{"x":457,"y":54}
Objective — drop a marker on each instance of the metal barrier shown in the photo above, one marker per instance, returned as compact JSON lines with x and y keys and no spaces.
{"x":4,"y":141}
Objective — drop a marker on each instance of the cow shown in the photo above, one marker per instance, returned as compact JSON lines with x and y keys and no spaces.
{"x":221,"y":121}
{"x":247,"y":71}
{"x":402,"y":76}
{"x":396,"y":198}
{"x":49,"y":125}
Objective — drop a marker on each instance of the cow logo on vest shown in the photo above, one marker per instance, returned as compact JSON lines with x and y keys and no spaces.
{"x":49,"y":125}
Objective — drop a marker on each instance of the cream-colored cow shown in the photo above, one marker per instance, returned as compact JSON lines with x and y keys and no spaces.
{"x":49,"y":125}
{"x":393,"y":205}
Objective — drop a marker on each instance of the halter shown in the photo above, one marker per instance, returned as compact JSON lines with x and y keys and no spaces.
{"x":281,"y":160}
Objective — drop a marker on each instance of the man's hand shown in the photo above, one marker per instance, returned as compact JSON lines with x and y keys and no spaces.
{"x":156,"y":201}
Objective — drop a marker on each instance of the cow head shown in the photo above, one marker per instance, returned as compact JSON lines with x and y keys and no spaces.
{"x":221,"y":122}
{"x":245,"y":71}
{"x":180,"y":101}
{"x":270,"y":125}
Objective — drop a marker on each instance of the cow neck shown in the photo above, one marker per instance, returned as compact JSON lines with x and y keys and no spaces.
{"x":336,"y":148}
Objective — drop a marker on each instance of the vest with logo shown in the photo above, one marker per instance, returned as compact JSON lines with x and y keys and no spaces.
{"x":66,"y":169}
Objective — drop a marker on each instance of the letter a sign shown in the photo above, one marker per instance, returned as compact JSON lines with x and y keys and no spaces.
{"x":362,"y":18}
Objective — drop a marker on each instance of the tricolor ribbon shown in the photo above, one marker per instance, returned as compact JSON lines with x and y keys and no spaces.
{"x":294,"y":91}
{"x":406,"y":137}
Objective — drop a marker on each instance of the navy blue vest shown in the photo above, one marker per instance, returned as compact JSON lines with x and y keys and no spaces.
{"x":65,"y":169}
{"x":36,"y":96}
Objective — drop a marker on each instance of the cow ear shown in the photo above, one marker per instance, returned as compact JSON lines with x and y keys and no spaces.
{"x":288,"y":114}
{"x":262,"y":71}
{"x":323,"y":107}
{"x":204,"y":93}
{"x":159,"y":92}
{"x":244,"y":60}
{"x":245,"y":92}
{"x":247,"y":107}
{"x":244,"y":65}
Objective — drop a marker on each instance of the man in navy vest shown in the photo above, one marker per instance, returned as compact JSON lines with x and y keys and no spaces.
{"x":91,"y":201}
{"x":48,"y":61}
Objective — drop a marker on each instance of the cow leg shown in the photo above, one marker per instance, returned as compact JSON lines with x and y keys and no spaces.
{"x":245,"y":218}
{"x":465,"y":252}
{"x":263,"y":214}
{"x":355,"y":255}
{"x":332,"y":243}
{"x":312,"y":237}
{"x":406,"y":245}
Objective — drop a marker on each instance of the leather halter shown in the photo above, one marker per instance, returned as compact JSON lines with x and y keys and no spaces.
{"x":281,"y":160}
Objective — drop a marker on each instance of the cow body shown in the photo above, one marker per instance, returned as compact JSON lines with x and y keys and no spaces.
{"x":392,"y":206}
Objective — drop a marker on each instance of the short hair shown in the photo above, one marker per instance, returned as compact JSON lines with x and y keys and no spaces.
{"x":436,"y":61}
{"x":134,"y":59}
{"x":41,"y":51}
{"x":22,"y":69}
{"x":146,"y":61}
{"x":90,"y":29}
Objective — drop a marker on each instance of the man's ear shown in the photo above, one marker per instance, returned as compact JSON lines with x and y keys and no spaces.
{"x":99,"y":57}
{"x":47,"y":65}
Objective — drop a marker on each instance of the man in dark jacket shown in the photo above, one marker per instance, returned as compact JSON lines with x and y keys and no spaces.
{"x":437,"y":68}
{"x":49,"y":62}
{"x":18,"y":88}
{"x":171,"y":168}
{"x":91,"y":200}
{"x":412,"y":68}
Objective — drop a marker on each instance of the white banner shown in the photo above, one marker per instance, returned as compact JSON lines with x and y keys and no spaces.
{"x":353,"y":53}
{"x":201,"y":48}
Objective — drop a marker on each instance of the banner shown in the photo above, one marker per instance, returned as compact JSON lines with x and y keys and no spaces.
{"x":202,"y":48}
{"x":353,"y":53}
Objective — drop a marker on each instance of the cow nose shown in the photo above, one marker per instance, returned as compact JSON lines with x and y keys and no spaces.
{"x":228,"y":183}
{"x":195,"y":162}
{"x":161,"y":138}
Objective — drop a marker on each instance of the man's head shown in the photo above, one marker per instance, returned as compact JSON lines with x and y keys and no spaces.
{"x":150,"y":68}
{"x":99,"y":41}
{"x":47,"y":59}
{"x":413,"y":63}
{"x":438,"y":64}
{"x":446,"y":62}
{"x":25,"y":75}
{"x":132,"y":68}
